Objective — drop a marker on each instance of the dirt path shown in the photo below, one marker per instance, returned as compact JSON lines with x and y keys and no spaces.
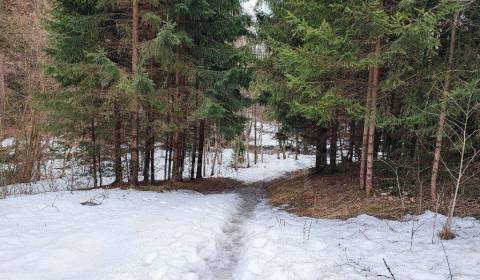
{"x":224,"y":265}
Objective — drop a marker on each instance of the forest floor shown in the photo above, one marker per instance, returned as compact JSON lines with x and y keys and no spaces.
{"x":338,"y":196}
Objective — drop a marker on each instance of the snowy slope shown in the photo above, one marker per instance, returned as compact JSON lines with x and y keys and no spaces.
{"x":283,"y":246}
{"x":132,"y":235}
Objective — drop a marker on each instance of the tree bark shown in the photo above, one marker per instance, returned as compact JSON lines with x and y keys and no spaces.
{"x":134,"y":161}
{"x":351,"y":140}
{"x":255,"y":160}
{"x":261,"y":135}
{"x":170,"y":151}
{"x":148,"y":146}
{"x":3,"y":93}
{"x":194,"y":151}
{"x":94,"y":151}
{"x":443,"y":109}
{"x":333,"y":147}
{"x":247,"y":144}
{"x":373,"y":115}
{"x":117,"y":143}
{"x":152,"y":159}
{"x":321,"y":150}
{"x":363,"y":156}
{"x":201,"y":144}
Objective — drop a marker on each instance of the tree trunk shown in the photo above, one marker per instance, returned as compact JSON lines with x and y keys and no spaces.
{"x":166,"y":158}
{"x":321,"y":150}
{"x":100,"y":170}
{"x":152,"y":159}
{"x":297,"y":147}
{"x":261,"y":136}
{"x":134,"y":161}
{"x":351,"y":140}
{"x":170,"y":151}
{"x":184,"y":153}
{"x":3,"y":93}
{"x":247,"y":145}
{"x":443,"y":109}
{"x":117,"y":143}
{"x":201,"y":144}
{"x":373,"y":115}
{"x":363,"y":156}
{"x":215,"y":153}
{"x":255,"y":160}
{"x":333,"y":147}
{"x":94,"y":151}
{"x":148,"y":146}
{"x":194,"y":151}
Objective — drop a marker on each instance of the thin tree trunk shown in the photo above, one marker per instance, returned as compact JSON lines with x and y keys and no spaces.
{"x":194,"y":151}
{"x":184,"y":153}
{"x":205,"y":158}
{"x":261,"y":135}
{"x":100,"y":170}
{"x":3,"y":93}
{"x":94,"y":151}
{"x":247,"y":139}
{"x":255,"y":134}
{"x":215,"y":153}
{"x":146,"y":161}
{"x":148,"y":146}
{"x":373,"y":115}
{"x":165,"y":169}
{"x":152,"y":159}
{"x":297,"y":147}
{"x":134,"y":161}
{"x":363,"y":156}
{"x":170,"y":151}
{"x":333,"y":147}
{"x":117,"y":142}
{"x":351,"y":141}
{"x":201,"y":144}
{"x":443,"y":109}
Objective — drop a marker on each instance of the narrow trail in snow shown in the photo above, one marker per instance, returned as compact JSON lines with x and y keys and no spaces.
{"x":224,"y":265}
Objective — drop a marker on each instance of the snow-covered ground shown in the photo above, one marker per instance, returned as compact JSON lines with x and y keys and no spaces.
{"x":186,"y":235}
{"x":282,"y":246}
{"x":131,"y":235}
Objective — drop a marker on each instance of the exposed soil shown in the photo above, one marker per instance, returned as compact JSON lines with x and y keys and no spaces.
{"x":339,"y":196}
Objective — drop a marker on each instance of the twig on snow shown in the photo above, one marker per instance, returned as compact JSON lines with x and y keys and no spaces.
{"x":389,"y":270}
{"x":53,"y":204}
{"x":446,"y":258}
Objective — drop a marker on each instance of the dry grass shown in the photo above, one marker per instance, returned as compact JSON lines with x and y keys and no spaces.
{"x":339,"y":196}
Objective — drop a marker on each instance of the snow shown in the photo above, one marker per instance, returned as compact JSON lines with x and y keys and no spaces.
{"x":266,"y":137}
{"x":283,"y":246}
{"x":131,"y":235}
{"x":7,"y":142}
{"x":270,"y":168}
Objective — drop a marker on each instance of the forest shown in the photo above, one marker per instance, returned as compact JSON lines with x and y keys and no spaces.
{"x":235,"y":139}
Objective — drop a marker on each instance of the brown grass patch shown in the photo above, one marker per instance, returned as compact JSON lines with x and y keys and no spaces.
{"x":339,"y":196}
